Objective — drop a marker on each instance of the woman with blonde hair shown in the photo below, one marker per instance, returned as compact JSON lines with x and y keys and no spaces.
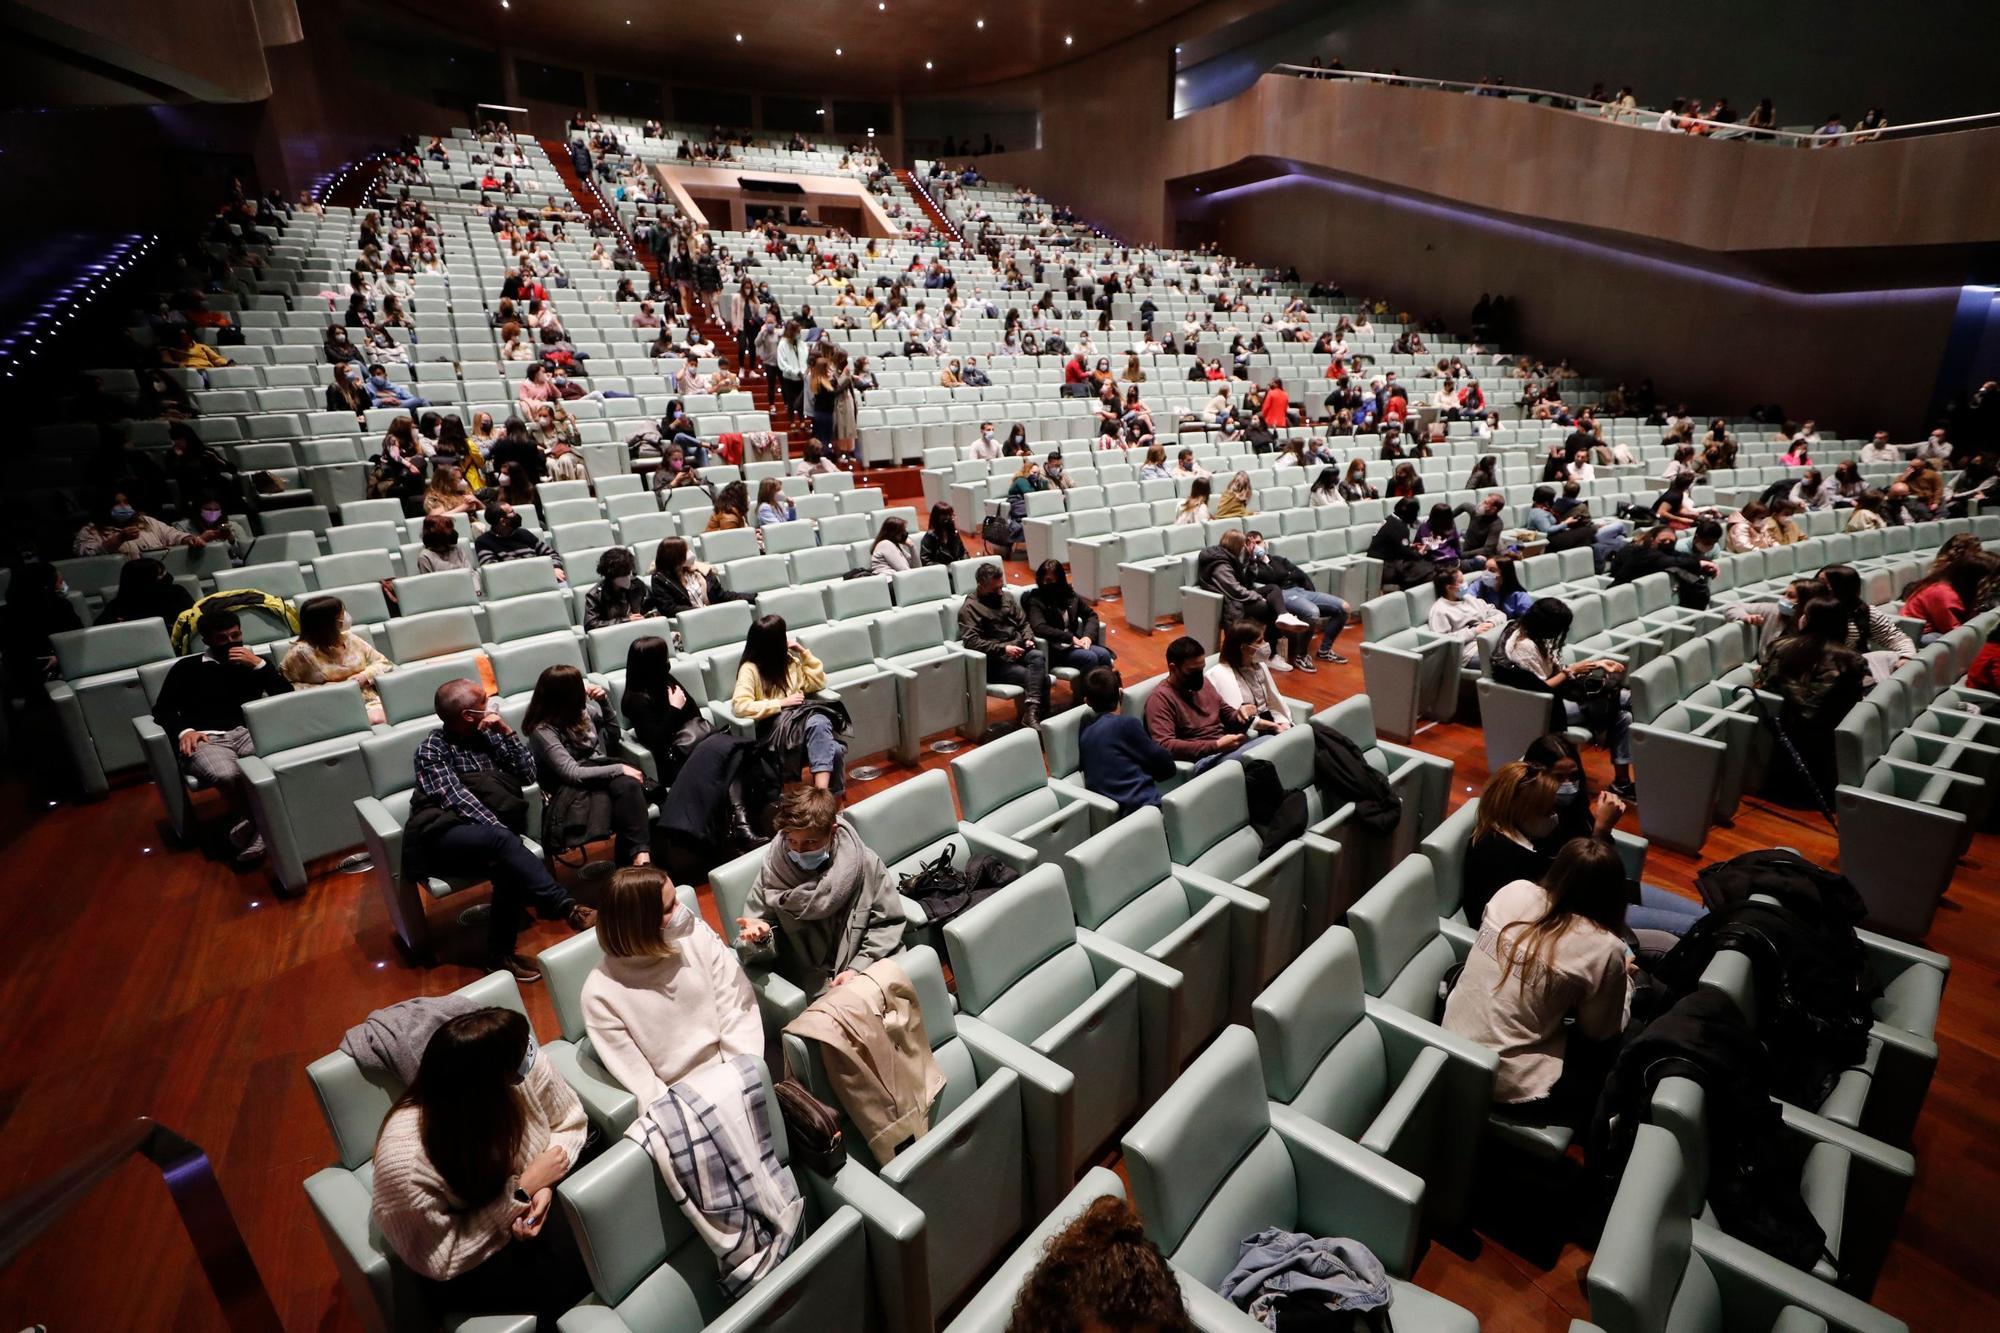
{"x":668,"y":997}
{"x":1549,"y":952}
{"x":447,"y":493}
{"x":1235,"y":502}
{"x":1134,"y":374}
{"x":1154,"y":468}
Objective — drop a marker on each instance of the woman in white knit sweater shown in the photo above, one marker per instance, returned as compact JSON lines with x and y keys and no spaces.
{"x":466,"y":1166}
{"x":669,"y":997}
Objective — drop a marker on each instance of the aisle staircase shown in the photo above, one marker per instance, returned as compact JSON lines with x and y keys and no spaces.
{"x":939,"y":222}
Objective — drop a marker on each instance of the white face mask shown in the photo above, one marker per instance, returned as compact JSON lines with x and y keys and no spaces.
{"x":1540,"y":828}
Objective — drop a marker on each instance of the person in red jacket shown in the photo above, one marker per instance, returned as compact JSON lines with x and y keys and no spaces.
{"x":1984,"y":673}
{"x":1277,"y":410}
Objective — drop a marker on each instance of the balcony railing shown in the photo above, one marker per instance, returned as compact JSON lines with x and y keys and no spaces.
{"x":1643,"y":118}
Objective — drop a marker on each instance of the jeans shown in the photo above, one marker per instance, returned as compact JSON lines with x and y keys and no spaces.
{"x":1615,"y":721}
{"x":1661,"y":909}
{"x":1610,"y":536}
{"x":824,"y":754}
{"x":519,"y":877}
{"x":1084,"y":659}
{"x":1030,"y":671}
{"x":1309,"y":604}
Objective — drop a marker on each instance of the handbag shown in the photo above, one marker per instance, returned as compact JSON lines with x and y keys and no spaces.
{"x":812,"y":1128}
{"x":1589,"y":683}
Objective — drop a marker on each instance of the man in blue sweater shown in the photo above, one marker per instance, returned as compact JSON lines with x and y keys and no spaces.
{"x":1118,"y":758}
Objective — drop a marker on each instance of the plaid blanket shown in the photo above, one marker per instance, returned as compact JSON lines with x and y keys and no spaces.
{"x":710,"y":1136}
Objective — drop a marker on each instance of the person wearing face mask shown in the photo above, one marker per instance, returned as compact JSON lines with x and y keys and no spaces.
{"x":200,"y":705}
{"x":123,"y":528}
{"x":1185,"y":716}
{"x":618,"y":596}
{"x":1458,"y":616}
{"x":1264,"y":567}
{"x":668,"y":997}
{"x":146,"y":591}
{"x":1066,"y":619}
{"x":991,"y":624}
{"x":505,"y":539}
{"x":1580,"y":813}
{"x":329,"y":652}
{"x":986,"y":448}
{"x":207,"y":521}
{"x":822,"y":908}
{"x":468,"y":818}
{"x":465,"y":1169}
{"x":443,"y":551}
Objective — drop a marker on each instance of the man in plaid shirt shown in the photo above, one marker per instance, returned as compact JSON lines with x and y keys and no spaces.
{"x":461,"y":838}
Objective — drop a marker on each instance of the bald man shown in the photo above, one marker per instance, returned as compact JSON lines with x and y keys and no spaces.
{"x":468,"y":816}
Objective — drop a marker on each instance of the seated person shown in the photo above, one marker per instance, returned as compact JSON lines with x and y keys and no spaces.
{"x":773,"y":505}
{"x":1185,"y":715}
{"x":1579,"y":814}
{"x":1393,"y":544}
{"x":1457,"y":614}
{"x":1264,"y":567}
{"x":617,"y":596}
{"x":506,"y":539}
{"x":201,"y":708}
{"x":1224,"y":569}
{"x":1068,"y":620}
{"x":681,"y":584}
{"x":146,"y":591}
{"x":1242,"y":676}
{"x":1577,"y":529}
{"x":463,"y":1190}
{"x":585,"y":793}
{"x":328,"y":651}
{"x":1101,"y":1273}
{"x":1547,"y":953}
{"x":1530,"y":656}
{"x":668,"y":997}
{"x":1118,"y":759}
{"x":122,"y":528}
{"x":776,"y":675}
{"x":990,"y":624}
{"x":1819,"y":678}
{"x":823,"y":907}
{"x":470,"y":775}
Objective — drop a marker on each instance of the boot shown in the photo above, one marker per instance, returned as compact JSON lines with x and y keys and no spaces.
{"x":1031,"y":713}
{"x":741,"y":835}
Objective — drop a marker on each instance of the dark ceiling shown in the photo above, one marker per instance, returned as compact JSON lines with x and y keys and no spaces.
{"x":884,"y":44}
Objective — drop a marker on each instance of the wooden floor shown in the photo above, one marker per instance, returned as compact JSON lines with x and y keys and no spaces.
{"x":154,"y":980}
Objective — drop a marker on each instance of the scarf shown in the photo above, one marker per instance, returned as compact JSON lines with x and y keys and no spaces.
{"x":817,"y":895}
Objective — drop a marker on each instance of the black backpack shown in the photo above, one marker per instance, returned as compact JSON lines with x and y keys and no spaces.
{"x":943,"y":891}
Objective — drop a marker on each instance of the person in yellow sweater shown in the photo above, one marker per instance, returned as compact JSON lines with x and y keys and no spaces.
{"x":466,"y":1166}
{"x":777,"y":674}
{"x":187,"y":352}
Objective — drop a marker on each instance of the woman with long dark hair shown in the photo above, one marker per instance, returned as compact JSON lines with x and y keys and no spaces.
{"x":890,"y":552}
{"x":1530,"y":656}
{"x":328,"y":652}
{"x":683,"y":584}
{"x":777,"y":674}
{"x":1866,"y":629}
{"x":942,"y":544}
{"x":1548,"y":953}
{"x":465,"y":1170}
{"x":1819,"y":679}
{"x":586,"y":794}
{"x":1059,"y":613}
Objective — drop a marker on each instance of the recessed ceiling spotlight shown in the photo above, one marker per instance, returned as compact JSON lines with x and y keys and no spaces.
{"x":739,"y":36}
{"x":1069,"y":41}
{"x":836,"y":50}
{"x":979,"y":23}
{"x":503,"y":4}
{"x":927,"y":64}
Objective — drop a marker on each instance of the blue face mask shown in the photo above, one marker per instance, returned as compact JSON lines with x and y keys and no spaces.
{"x":527,"y":1058}
{"x":810,"y":860}
{"x":123,"y":513}
{"x":1567,"y":792}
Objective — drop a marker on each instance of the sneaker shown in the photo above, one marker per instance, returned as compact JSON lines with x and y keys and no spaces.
{"x":1304,"y":664}
{"x":1328,"y":655}
{"x":581,"y":918}
{"x":1288,"y":621}
{"x":252,"y":851}
{"x":1279,"y":664}
{"x":1625,"y":792}
{"x":519,"y":966}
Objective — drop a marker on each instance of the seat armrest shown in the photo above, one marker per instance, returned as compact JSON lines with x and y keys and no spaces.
{"x":1345,"y":1190}
{"x":898,"y":1246}
{"x":1018,"y":856}
{"x":1160,"y":989}
{"x":1632,"y":851}
{"x":1103,"y":810}
{"x":1404,"y":1035}
{"x":605,"y":1101}
{"x":1048,"y":1100}
{"x":592,"y":1319}
{"x":630,"y":751}
{"x":1211,"y":1311}
{"x":782,"y":1288}
{"x":1755,"y":1287}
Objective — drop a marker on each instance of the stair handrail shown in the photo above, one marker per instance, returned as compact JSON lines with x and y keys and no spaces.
{"x":190,"y":1179}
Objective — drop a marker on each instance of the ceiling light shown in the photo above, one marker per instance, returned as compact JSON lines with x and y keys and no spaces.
{"x":739,"y":36}
{"x":836,"y":50}
{"x":1069,"y":41}
{"x":979,"y":23}
{"x":927,"y":64}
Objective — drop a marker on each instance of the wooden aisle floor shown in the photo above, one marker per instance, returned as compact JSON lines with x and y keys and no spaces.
{"x":155,"y":980}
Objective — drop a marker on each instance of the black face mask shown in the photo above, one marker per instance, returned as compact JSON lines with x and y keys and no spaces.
{"x":992,"y":599}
